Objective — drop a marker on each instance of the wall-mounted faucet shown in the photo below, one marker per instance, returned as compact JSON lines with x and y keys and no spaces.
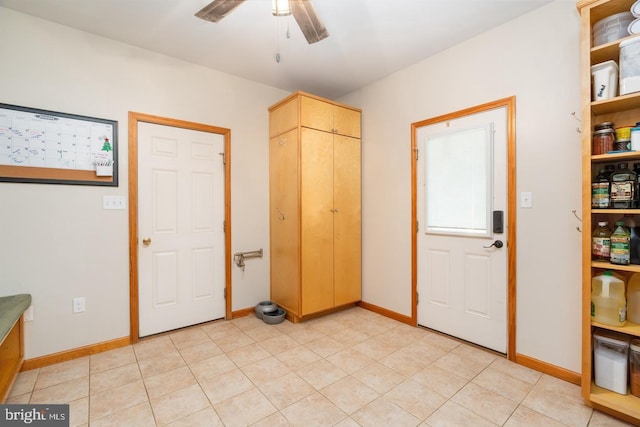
{"x":239,"y":257}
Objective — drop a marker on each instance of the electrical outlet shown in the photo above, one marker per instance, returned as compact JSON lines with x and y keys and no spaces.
{"x":79,"y":305}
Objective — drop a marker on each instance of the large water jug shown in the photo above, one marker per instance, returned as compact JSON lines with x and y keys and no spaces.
{"x":608,"y":301}
{"x":633,"y":299}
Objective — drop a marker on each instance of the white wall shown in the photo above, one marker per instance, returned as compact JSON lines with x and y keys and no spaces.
{"x":56,"y":242}
{"x":535,"y":58}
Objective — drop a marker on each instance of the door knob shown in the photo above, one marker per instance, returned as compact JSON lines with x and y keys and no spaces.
{"x":498,"y":244}
{"x":146,"y":241}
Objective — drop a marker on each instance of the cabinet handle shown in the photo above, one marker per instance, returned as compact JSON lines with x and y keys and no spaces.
{"x":334,"y":210}
{"x":282,"y":141}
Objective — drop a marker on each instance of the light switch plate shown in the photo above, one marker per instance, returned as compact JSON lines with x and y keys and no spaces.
{"x":114,"y":202}
{"x":526,"y":199}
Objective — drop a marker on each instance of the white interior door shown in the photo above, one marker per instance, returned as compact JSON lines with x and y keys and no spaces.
{"x":181,"y":269}
{"x":461,"y":180}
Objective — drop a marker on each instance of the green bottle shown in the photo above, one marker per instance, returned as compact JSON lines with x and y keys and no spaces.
{"x":620,"y":253}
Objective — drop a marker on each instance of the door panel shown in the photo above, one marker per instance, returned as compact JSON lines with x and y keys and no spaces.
{"x":165,"y":279}
{"x":284,"y":222}
{"x":317,"y":220}
{"x":203,"y":273}
{"x":439,"y":276}
{"x":181,"y":211}
{"x":346,"y":121}
{"x":477,"y":285}
{"x":316,"y":114}
{"x":346,"y":220}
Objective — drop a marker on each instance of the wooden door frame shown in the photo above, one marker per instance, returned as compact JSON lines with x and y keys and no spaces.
{"x":510,"y":104}
{"x":134,"y":119}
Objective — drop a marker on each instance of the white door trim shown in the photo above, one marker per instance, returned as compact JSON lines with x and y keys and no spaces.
{"x":134,"y":119}
{"x":509,"y":103}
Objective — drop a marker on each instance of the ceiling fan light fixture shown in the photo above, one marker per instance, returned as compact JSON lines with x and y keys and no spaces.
{"x":280,"y":8}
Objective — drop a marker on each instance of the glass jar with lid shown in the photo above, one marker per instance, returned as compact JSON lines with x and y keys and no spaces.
{"x":603,"y":141}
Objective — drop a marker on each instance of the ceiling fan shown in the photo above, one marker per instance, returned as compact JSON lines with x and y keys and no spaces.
{"x":303,"y":12}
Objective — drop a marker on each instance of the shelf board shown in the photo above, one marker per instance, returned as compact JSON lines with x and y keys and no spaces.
{"x":616,"y":211}
{"x":608,"y":51}
{"x":619,"y":103}
{"x":629,"y":328}
{"x":625,"y":404}
{"x":608,"y":266}
{"x":627,"y":155}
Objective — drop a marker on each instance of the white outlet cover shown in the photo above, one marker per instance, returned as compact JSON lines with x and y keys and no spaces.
{"x":79,"y":305}
{"x":526,"y":199}
{"x":114,"y":202}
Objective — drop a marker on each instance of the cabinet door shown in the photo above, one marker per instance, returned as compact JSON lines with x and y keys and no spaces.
{"x":316,"y":169}
{"x":284,"y":221}
{"x":316,"y":114}
{"x":346,"y":121}
{"x":346,"y":223}
{"x":284,"y":118}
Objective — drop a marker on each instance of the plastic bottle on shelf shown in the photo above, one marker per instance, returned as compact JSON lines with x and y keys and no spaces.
{"x":608,"y":302}
{"x":600,"y":191}
{"x":601,"y":242}
{"x":623,"y":186}
{"x":633,"y":299}
{"x":620,"y":253}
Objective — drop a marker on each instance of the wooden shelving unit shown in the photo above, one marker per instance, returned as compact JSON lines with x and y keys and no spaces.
{"x":622,"y":111}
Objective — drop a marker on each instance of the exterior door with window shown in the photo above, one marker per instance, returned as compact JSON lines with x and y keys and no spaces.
{"x":461,"y":208}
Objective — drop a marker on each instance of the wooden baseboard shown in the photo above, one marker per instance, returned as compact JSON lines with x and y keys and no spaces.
{"x":549,"y":369}
{"x":242,"y":313}
{"x":63,"y":356}
{"x":387,"y":313}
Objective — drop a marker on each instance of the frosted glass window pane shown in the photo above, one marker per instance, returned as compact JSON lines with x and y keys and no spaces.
{"x":458,"y":179}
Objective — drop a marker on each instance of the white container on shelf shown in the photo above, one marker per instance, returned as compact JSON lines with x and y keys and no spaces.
{"x":630,"y":66}
{"x":635,"y":9}
{"x":611,"y":360}
{"x":612,"y":28}
{"x":604,"y":80}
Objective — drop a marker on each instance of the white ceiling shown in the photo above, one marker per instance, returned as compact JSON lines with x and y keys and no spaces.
{"x":368,"y":39}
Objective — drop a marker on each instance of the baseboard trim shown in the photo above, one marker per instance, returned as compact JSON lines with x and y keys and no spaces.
{"x":549,"y":369}
{"x":242,"y":313}
{"x":387,"y":313}
{"x":63,"y":356}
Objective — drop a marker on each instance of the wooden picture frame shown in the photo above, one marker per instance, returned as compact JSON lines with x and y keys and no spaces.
{"x":48,"y":147}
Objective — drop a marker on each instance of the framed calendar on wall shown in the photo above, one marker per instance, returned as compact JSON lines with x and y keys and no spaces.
{"x":49,"y":147}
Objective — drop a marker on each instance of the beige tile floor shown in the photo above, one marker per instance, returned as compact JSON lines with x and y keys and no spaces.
{"x":350,"y":368}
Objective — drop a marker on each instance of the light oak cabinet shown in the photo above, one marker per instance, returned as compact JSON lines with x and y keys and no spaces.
{"x":315,"y":205}
{"x":622,"y":111}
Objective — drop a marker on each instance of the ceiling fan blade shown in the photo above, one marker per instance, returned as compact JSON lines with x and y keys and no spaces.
{"x":308,"y":21}
{"x":218,"y":9}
